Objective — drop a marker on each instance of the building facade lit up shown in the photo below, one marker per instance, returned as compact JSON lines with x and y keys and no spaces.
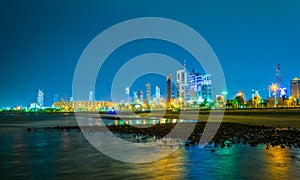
{"x":140,"y":96}
{"x":40,"y":98}
{"x":157,"y":95}
{"x":169,"y":88}
{"x":127,"y":91}
{"x":77,"y":106}
{"x":295,"y":88}
{"x":148,"y":93}
{"x":91,"y":96}
{"x":182,"y":85}
{"x":199,"y":87}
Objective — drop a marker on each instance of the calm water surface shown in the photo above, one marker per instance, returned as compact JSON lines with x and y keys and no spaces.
{"x":57,"y":154}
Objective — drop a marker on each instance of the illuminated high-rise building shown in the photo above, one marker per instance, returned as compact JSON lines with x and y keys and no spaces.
{"x":199,"y":87}
{"x":91,"y":96}
{"x":40,"y":98}
{"x":295,"y":87}
{"x":140,"y":96}
{"x":55,"y":98}
{"x":206,"y":92}
{"x":182,"y":85}
{"x":169,"y":88}
{"x":157,"y":94}
{"x":148,"y":93}
{"x":135,"y":97}
{"x":127,"y":91}
{"x":194,"y":85}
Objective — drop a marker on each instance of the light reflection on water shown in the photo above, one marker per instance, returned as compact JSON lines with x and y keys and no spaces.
{"x":94,"y":121}
{"x":67,"y":154}
{"x":279,"y":162}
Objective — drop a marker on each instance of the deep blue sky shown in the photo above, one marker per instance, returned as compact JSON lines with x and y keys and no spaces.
{"x":41,"y":42}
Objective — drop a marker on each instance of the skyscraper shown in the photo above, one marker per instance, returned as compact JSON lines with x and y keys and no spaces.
{"x":148,"y":93}
{"x":127,"y":90}
{"x":157,"y":95}
{"x":135,"y":97}
{"x":40,"y":98}
{"x":55,"y":98}
{"x":199,"y":86}
{"x":295,"y":87}
{"x":182,"y":85}
{"x":194,"y":85}
{"x":169,"y":88}
{"x":91,"y":96}
{"x":206,"y":92}
{"x":140,"y":96}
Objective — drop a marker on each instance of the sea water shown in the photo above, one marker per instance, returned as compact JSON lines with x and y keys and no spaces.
{"x":62,"y":154}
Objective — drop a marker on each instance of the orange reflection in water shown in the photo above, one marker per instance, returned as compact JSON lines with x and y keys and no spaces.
{"x":278,"y":161}
{"x":170,"y":167}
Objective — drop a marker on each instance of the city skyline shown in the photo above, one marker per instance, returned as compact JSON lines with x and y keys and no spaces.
{"x":191,"y":78}
{"x":192,"y":88}
{"x":40,"y":48}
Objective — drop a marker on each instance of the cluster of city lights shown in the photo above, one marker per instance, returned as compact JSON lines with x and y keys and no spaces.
{"x":193,"y":93}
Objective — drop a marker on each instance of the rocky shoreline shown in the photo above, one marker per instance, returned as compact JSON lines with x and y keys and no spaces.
{"x":227,"y":134}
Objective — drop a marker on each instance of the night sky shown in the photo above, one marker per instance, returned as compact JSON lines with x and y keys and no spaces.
{"x":41,"y":42}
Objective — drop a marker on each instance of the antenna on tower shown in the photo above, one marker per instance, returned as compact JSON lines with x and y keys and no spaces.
{"x":184,"y":64}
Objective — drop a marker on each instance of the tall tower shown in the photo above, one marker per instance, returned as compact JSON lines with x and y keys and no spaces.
{"x":278,"y":77}
{"x":148,"y":92}
{"x":91,"y":96}
{"x":192,"y":85}
{"x":135,"y":97}
{"x":157,"y":94}
{"x":127,"y":90}
{"x":40,"y":98}
{"x":55,"y":98}
{"x":206,"y":91}
{"x":169,"y":88}
{"x":199,"y":86}
{"x":140,"y":96}
{"x":278,"y":81}
{"x":182,"y":84}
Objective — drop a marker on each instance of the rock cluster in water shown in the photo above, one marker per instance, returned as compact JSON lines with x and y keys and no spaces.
{"x":227,"y":134}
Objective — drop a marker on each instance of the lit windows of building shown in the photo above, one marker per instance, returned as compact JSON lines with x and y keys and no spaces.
{"x":148,"y":93}
{"x":182,"y":85}
{"x":40,"y":98}
{"x":295,"y":88}
{"x":169,"y":88}
{"x":199,"y":86}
